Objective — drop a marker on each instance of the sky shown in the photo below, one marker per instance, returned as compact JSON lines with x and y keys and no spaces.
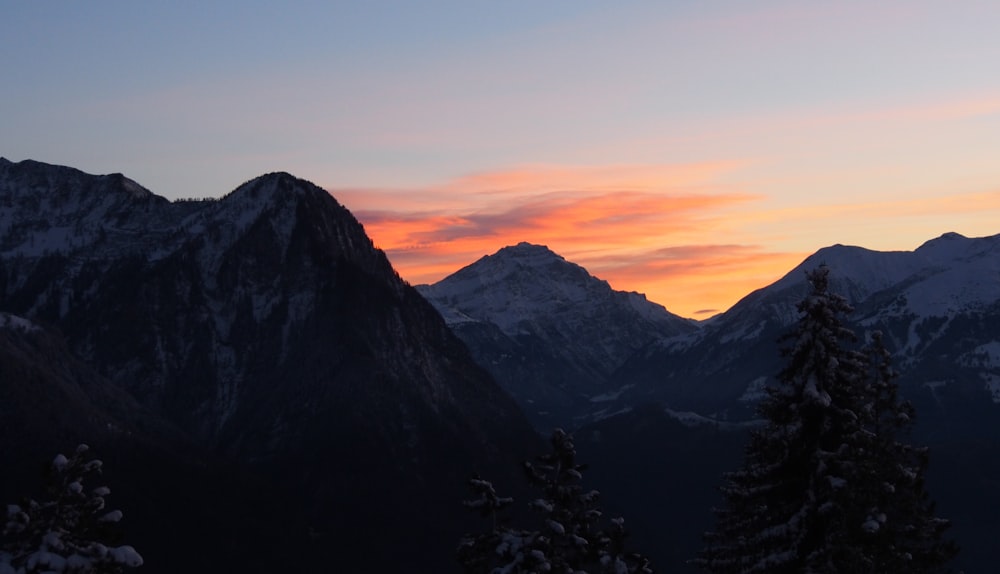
{"x":691,"y":151}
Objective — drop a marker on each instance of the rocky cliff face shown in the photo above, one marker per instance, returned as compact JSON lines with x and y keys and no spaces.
{"x":267,"y":328}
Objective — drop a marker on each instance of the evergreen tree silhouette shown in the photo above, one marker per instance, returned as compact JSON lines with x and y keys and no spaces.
{"x":71,"y":530}
{"x":826,"y":486}
{"x":571,"y":536}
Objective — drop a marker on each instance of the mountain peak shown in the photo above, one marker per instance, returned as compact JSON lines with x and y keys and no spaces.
{"x":280,"y":178}
{"x":275,"y":185}
{"x":560,"y":331}
{"x":546,"y":272}
{"x":950,"y":238}
{"x":525,"y":248}
{"x":264,"y":327}
{"x":519,"y":284}
{"x":58,"y":209}
{"x":527,"y":280}
{"x":35,"y":177}
{"x":952,"y":246}
{"x":528,"y":253}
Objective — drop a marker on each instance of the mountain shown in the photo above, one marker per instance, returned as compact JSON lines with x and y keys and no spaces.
{"x":548,"y":331}
{"x":267,"y":329}
{"x":938,"y":307}
{"x":176,"y":499}
{"x":676,"y":409}
{"x":48,"y":397}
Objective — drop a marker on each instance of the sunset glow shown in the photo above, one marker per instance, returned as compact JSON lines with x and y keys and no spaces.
{"x":614,"y":221}
{"x":691,"y":151}
{"x":673,"y":233}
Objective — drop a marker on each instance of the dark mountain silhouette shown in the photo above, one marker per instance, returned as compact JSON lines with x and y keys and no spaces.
{"x":320,"y":389}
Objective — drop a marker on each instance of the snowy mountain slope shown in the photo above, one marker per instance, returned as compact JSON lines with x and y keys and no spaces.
{"x":548,"y":331}
{"x":54,"y":209}
{"x":267,"y":327}
{"x":937,"y":305}
{"x":206,"y":301}
{"x":523,"y":284}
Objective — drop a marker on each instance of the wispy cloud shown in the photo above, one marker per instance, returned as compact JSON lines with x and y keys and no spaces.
{"x":625,"y":221}
{"x":651,"y":229}
{"x":684,"y":278}
{"x":565,"y":207}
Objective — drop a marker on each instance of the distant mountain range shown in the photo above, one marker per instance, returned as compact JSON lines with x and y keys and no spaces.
{"x":564,"y":343}
{"x":938,"y":307}
{"x":255,"y":374}
{"x":260,"y":333}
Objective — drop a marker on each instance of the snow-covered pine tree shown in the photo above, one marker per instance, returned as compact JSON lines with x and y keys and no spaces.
{"x":569,"y":514}
{"x":69,"y":532}
{"x":502,"y":546}
{"x":827,"y":486}
{"x":903,"y":534}
{"x":570,"y":539}
{"x":789,"y":508}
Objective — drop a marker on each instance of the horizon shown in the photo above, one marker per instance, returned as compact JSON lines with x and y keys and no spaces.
{"x":689,"y":152}
{"x":491,"y":251}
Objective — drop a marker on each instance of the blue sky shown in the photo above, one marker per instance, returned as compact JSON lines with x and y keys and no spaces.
{"x":797,"y":124}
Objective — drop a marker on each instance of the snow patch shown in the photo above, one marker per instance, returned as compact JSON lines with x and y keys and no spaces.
{"x":453,"y":316}
{"x":15,"y":323}
{"x":744,"y":332}
{"x":987,"y":355}
{"x":610,"y":396}
{"x":605,"y":414}
{"x":692,"y":419}
{"x":755,"y":391}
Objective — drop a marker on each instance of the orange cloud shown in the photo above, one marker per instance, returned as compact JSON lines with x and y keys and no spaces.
{"x":686,"y":278}
{"x":587,"y":214}
{"x":651,"y":229}
{"x":561,"y":220}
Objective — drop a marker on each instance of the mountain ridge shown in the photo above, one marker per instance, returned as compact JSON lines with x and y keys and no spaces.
{"x":268,"y":329}
{"x":692,"y":396}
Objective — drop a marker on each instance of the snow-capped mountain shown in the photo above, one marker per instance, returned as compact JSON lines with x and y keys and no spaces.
{"x":253,"y":361}
{"x":938,"y":305}
{"x":266,"y":327}
{"x":546,"y":329}
{"x":939,"y":308}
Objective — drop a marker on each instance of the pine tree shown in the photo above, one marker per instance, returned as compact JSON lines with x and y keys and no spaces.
{"x":512,"y":548}
{"x":815,"y":492}
{"x":570,"y":539}
{"x":68,"y":532}
{"x":903,"y":533}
